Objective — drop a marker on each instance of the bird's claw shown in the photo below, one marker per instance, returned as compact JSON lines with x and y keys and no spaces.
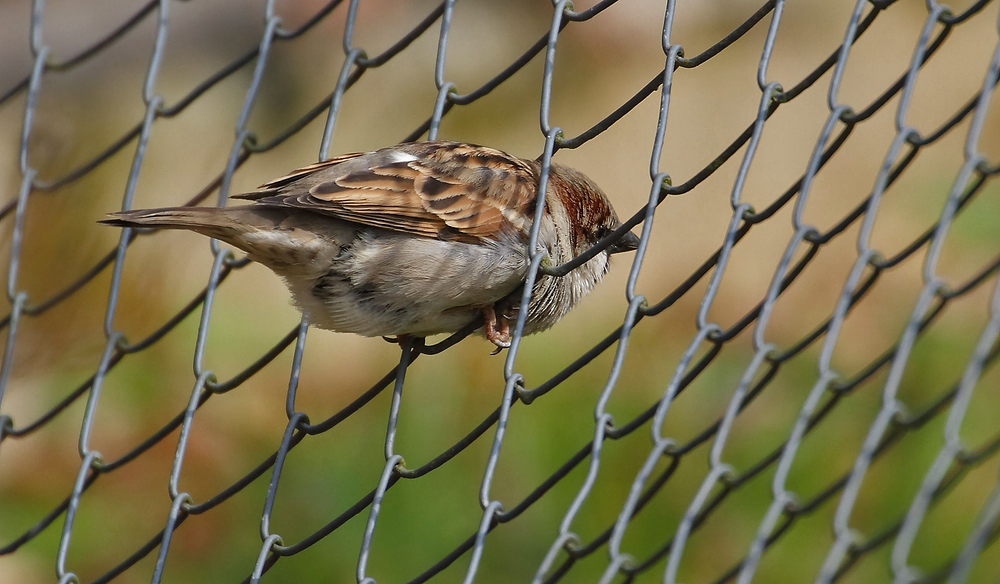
{"x":497,"y":329}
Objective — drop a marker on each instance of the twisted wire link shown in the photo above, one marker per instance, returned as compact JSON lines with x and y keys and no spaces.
{"x":953,"y":446}
{"x":781,"y":497}
{"x":845,"y":536}
{"x":492,"y":508}
{"x":566,"y":540}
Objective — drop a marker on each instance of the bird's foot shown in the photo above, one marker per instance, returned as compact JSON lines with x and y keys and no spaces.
{"x":497,"y":329}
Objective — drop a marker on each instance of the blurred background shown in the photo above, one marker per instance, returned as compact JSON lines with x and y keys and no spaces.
{"x":85,"y":109}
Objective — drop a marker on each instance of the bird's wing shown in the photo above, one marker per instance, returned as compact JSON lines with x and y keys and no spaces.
{"x":447,"y":190}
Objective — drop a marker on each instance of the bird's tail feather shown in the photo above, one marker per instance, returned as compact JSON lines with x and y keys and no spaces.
{"x":211,"y":221}
{"x":228,"y":225}
{"x":165,"y":218}
{"x":252,"y":230}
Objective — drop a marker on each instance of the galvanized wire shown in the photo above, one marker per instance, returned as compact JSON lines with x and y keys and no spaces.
{"x":891,"y":423}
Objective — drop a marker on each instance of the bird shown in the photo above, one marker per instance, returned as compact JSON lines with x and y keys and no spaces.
{"x":415,"y":239}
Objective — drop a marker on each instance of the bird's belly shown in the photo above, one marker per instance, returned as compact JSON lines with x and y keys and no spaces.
{"x":372,"y":312}
{"x":391,"y":285}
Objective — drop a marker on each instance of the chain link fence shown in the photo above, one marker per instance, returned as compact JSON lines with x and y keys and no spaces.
{"x":822,"y":206}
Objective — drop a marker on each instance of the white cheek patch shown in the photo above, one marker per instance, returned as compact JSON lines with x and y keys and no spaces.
{"x":397,"y":156}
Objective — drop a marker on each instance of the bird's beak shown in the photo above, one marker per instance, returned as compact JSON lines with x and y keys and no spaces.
{"x":628,"y":242}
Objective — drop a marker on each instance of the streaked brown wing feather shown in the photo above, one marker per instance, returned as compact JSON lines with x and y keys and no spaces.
{"x":451,"y":191}
{"x":273,"y":186}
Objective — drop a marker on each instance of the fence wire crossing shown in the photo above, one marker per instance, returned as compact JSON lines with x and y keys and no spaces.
{"x":893,"y":420}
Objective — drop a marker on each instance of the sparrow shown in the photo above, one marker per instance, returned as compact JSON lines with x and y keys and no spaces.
{"x":415,"y":239}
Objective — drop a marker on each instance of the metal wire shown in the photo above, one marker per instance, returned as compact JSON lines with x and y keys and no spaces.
{"x":893,"y":422}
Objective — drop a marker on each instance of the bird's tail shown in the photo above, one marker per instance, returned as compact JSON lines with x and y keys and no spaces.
{"x":210,"y":221}
{"x":193,"y":218}
{"x":252,"y":230}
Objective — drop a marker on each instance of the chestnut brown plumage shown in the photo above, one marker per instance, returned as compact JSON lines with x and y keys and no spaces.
{"x":415,"y":239}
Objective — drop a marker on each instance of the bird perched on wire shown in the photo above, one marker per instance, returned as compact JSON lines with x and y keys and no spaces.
{"x":415,"y":239}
